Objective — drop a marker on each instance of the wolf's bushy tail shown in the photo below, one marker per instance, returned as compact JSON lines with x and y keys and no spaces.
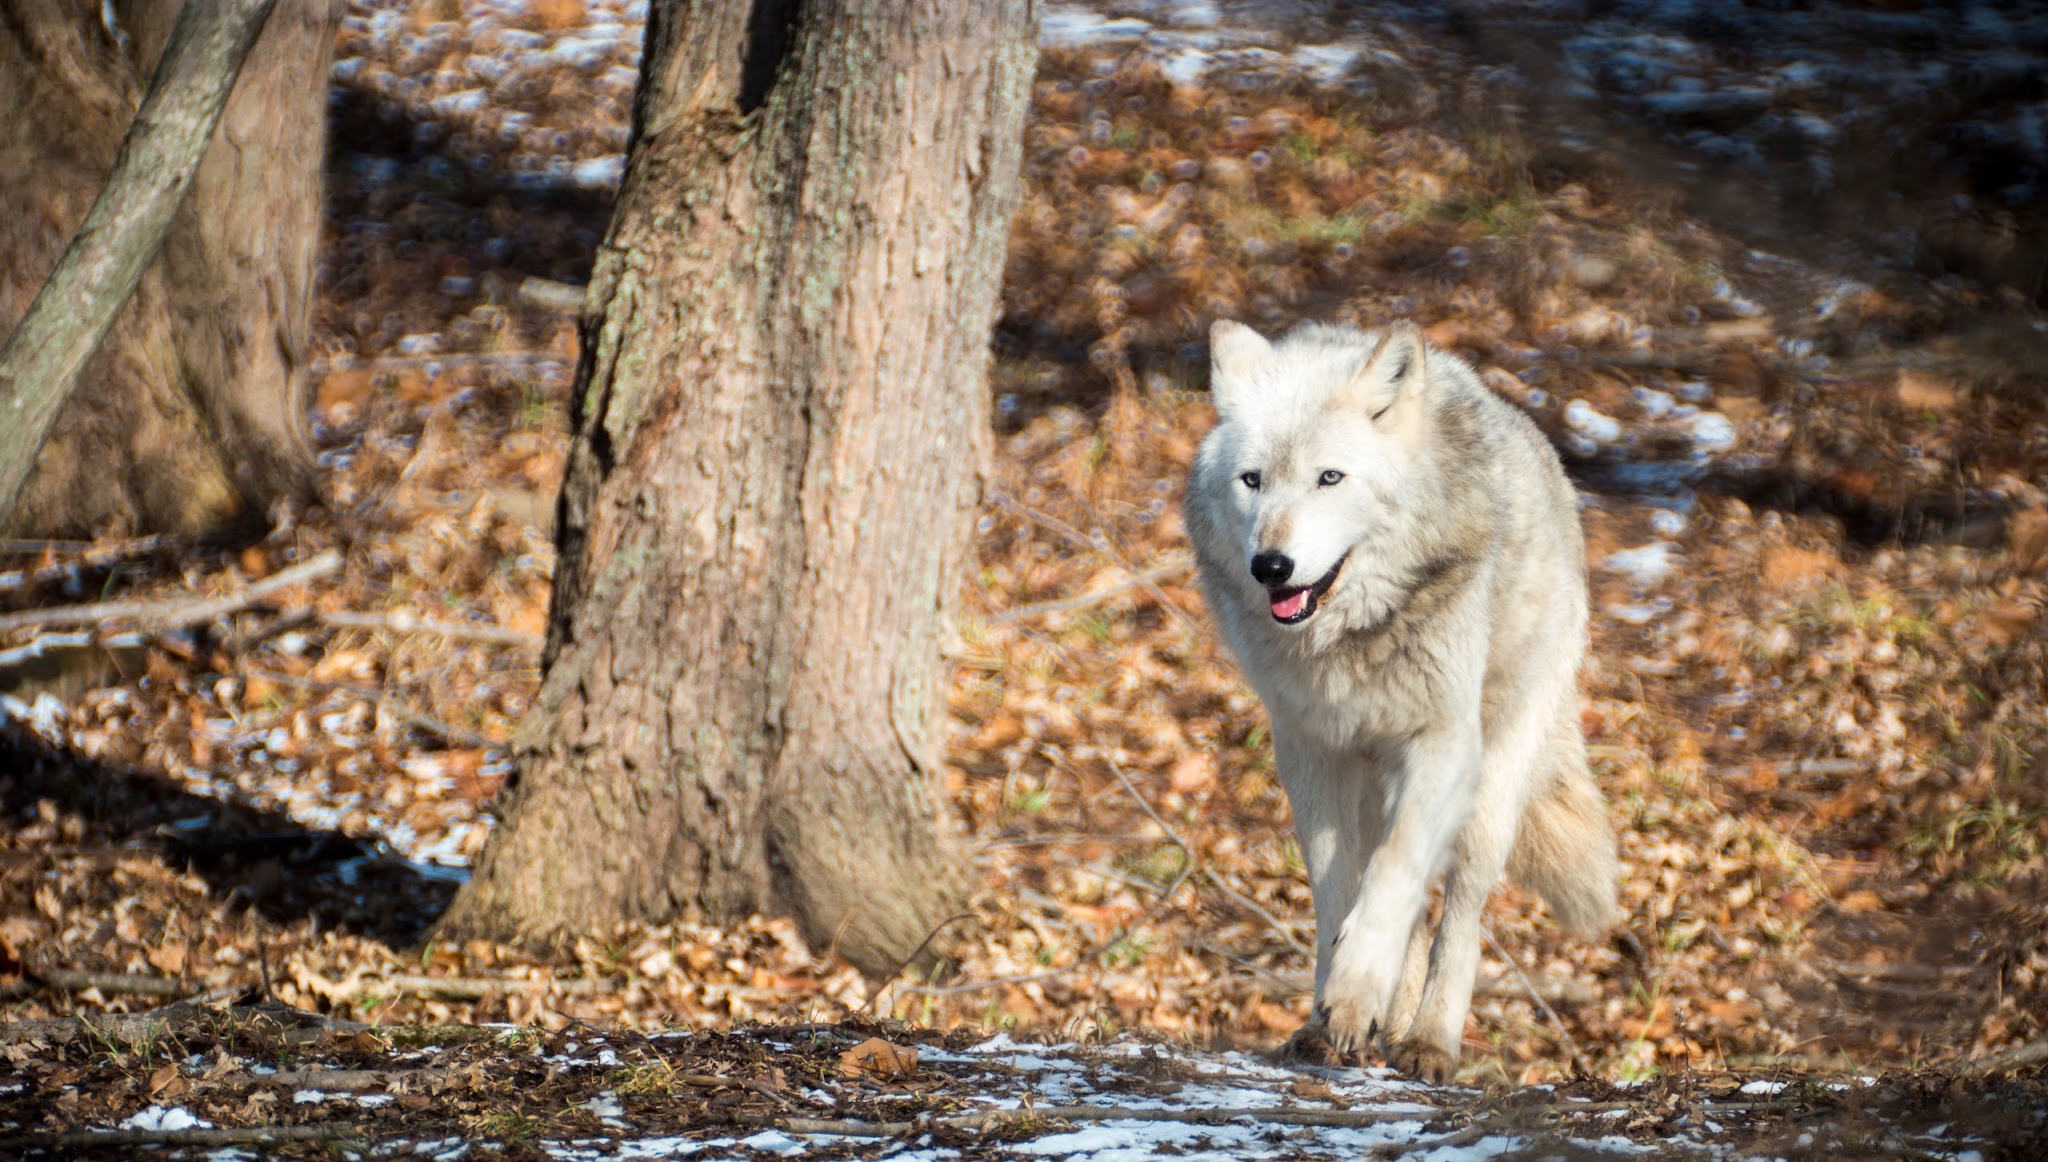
{"x":1564,"y":850}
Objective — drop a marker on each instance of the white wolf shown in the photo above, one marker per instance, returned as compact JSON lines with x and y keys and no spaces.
{"x":1395,"y":557}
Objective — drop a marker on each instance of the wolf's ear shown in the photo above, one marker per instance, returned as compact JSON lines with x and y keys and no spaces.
{"x":1389,"y":387}
{"x":1234,"y":349}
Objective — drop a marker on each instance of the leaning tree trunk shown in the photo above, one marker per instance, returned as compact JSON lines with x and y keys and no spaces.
{"x":781,"y":431}
{"x":192,"y":414}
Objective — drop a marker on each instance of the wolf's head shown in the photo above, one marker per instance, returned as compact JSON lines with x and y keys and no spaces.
{"x":1300,"y":497}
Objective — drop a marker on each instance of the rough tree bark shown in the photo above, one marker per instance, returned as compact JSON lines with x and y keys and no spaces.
{"x":191,"y":415}
{"x":781,"y":432}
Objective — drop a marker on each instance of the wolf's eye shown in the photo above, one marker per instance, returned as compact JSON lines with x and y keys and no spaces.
{"x":1250,"y":480}
{"x":1330,"y":476}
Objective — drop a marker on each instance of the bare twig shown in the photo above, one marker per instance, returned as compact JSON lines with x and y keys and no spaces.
{"x":1080,"y":540}
{"x":467,"y":988}
{"x":410,"y":717}
{"x":65,"y":980}
{"x":914,"y":954}
{"x":1907,"y":972}
{"x":1273,"y":923}
{"x":713,"y":1081}
{"x":1094,"y":598}
{"x":49,"y":643}
{"x":176,"y":613}
{"x":399,"y":621}
{"x":2026,"y":1056}
{"x":549,"y":295}
{"x":1569,"y":1043}
{"x":1194,"y":862}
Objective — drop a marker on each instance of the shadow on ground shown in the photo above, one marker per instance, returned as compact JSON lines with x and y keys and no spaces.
{"x":286,"y":871}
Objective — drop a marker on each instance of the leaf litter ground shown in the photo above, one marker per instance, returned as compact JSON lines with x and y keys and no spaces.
{"x":1814,"y":505}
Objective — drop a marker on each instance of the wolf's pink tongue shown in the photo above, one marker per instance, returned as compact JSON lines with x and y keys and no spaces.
{"x":1290,"y":605}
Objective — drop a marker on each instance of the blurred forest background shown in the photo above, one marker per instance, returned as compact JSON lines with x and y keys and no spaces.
{"x":1771,"y":275}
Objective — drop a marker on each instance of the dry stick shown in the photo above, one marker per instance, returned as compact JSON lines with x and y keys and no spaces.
{"x":1090,"y":600}
{"x":98,"y":273}
{"x":905,"y":962}
{"x":48,"y":643}
{"x":713,"y":1081}
{"x":1193,"y":860}
{"x":91,"y":554}
{"x":1080,"y":962}
{"x":1533,"y":994}
{"x":1189,"y":865}
{"x":2033,"y":1053}
{"x":1074,"y":535}
{"x":133,"y":984}
{"x":400,"y":621}
{"x":176,"y":613}
{"x":230,"y":1136}
{"x":463,"y":988}
{"x":426,"y":722}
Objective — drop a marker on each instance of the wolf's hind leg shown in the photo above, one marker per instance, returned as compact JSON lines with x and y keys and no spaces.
{"x":1513,"y":759}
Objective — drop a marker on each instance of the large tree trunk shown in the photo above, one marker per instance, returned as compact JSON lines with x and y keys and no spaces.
{"x":191,"y":416}
{"x":781,"y":431}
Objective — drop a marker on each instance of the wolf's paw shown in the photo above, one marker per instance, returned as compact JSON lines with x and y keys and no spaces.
{"x":1310,"y":1045}
{"x":1350,"y":1026}
{"x":1423,"y":1061}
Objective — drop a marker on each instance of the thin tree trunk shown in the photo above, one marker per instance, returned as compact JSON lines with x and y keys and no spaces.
{"x":190,"y":415}
{"x":782,"y":427}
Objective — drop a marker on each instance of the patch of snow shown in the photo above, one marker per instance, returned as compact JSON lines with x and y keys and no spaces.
{"x":1713,"y":432}
{"x":1067,"y":26}
{"x":1644,"y":567}
{"x":1590,"y":423}
{"x":158,"y":1118}
{"x":608,"y":1110}
{"x":1756,"y":1087}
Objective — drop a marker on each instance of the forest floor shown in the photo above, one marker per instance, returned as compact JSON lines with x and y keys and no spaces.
{"x":1815,"y":490}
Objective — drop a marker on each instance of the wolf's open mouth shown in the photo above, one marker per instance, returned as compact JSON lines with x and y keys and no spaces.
{"x":1296,"y":604}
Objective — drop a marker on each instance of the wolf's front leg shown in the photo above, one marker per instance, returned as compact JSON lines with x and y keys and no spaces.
{"x":1428,"y":785}
{"x":1324,"y":794}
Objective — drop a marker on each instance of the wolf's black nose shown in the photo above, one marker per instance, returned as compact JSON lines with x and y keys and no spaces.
{"x":1272,"y":568}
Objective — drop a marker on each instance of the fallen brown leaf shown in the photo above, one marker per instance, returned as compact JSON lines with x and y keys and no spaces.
{"x":878,"y":1058}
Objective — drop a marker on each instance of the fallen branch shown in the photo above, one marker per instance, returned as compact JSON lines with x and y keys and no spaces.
{"x":176,"y":613}
{"x":466,"y":988}
{"x":66,"y":980}
{"x":2026,"y":1056}
{"x":229,"y":1136}
{"x":50,"y":643}
{"x":399,"y":621}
